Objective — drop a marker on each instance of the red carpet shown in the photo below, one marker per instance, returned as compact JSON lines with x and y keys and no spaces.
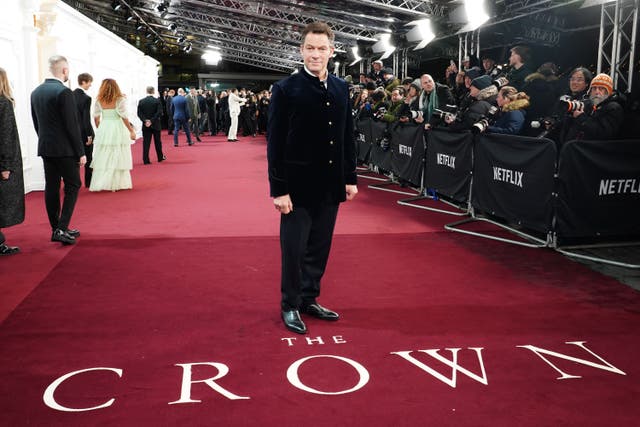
{"x":184,"y":270}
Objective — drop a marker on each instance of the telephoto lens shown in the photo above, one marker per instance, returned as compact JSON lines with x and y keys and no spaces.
{"x":480,"y":126}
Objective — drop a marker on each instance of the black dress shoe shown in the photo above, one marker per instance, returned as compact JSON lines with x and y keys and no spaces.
{"x":8,"y":250}
{"x":146,"y":163}
{"x":74,"y":233}
{"x":293,"y":322}
{"x":162,"y":159}
{"x":198,"y":139}
{"x":318,"y":311}
{"x":63,"y":237}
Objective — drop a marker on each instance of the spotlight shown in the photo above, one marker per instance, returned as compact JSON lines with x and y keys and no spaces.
{"x":474,"y":13}
{"x":172,"y":27}
{"x":421,"y":32}
{"x":384,"y":45}
{"x":130,"y":16}
{"x":187,"y":48}
{"x":161,"y":8}
{"x":148,"y":35}
{"x":139,"y":26}
{"x":356,"y":55}
{"x":182,"y":39}
{"x":116,"y":5}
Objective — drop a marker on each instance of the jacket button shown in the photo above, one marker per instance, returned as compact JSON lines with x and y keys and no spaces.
{"x":330,"y":162}
{"x":330,"y":123}
{"x":328,"y":103}
{"x":330,"y":142}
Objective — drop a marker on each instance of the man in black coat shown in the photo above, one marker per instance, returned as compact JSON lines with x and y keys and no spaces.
{"x":83,"y":101}
{"x":150,"y":113}
{"x":312,"y":169}
{"x":55,"y":119}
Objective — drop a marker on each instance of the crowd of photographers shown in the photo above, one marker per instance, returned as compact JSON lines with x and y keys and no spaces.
{"x":484,"y":97}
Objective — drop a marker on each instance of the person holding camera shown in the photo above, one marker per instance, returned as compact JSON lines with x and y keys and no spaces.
{"x":483,"y":95}
{"x":601,"y":116}
{"x":434,"y":96}
{"x":511,"y":116}
{"x":395,"y":110}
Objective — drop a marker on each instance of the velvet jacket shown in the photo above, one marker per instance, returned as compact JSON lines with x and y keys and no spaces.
{"x":55,"y":119}
{"x":310,"y":143}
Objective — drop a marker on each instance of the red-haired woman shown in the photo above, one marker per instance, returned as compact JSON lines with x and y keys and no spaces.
{"x":112,"y":162}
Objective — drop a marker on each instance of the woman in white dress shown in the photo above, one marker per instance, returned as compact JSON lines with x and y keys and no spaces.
{"x":112,"y":162}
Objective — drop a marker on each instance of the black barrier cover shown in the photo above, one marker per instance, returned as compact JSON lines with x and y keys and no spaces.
{"x":513,"y":179}
{"x":407,"y":152}
{"x":378,"y":156}
{"x":599,"y":189}
{"x":363,"y":139}
{"x":448,"y":164}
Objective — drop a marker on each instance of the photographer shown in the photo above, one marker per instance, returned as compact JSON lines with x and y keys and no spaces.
{"x":434,"y":96}
{"x":603,"y":118}
{"x":372,"y":109}
{"x":397,"y":107}
{"x":519,"y":63}
{"x":483,"y":95}
{"x":511,"y":116}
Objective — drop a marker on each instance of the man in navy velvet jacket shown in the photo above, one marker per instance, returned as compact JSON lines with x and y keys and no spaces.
{"x":312,"y":169}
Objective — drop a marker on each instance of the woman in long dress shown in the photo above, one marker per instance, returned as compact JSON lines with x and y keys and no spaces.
{"x":112,"y":162}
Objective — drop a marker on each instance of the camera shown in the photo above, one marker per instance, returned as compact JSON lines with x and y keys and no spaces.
{"x":572,"y":105}
{"x":545,"y":124}
{"x":500,"y":82}
{"x":379,"y":114}
{"x":482,"y":124}
{"x":447,"y":113}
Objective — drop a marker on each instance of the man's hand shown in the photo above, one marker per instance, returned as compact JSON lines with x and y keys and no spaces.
{"x":576,"y":113}
{"x":283,"y":204}
{"x":351,"y":191}
{"x":83,"y":160}
{"x":5,"y":175}
{"x":147,"y":123}
{"x":89,"y":140}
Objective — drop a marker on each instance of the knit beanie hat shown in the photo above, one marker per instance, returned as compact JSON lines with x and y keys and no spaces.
{"x":481,"y":82}
{"x":603,"y":80}
{"x":473,"y":72}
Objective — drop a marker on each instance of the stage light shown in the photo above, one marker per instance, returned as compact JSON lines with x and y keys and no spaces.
{"x":476,"y":14}
{"x":172,"y":27}
{"x":130,"y":16}
{"x":187,"y":48}
{"x":421,"y":32}
{"x":384,"y":45}
{"x":148,"y":34}
{"x":212,"y":57}
{"x":589,"y":3}
{"x":182,"y":39}
{"x":139,"y":26}
{"x":116,"y":5}
{"x":356,"y":55}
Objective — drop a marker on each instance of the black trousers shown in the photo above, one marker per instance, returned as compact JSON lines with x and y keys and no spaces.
{"x":88,"y":151}
{"x":305,"y":242}
{"x":147,"y":132}
{"x":63,"y":169}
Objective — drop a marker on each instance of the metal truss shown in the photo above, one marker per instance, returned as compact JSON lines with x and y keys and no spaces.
{"x":417,"y":8}
{"x":618,"y":31}
{"x":263,"y":12}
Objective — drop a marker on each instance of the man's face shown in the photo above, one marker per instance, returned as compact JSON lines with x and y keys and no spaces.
{"x":86,"y":85}
{"x":473,"y":91}
{"x":597,"y":94}
{"x":487,"y":64}
{"x":577,"y":83}
{"x":427,"y":83}
{"x":316,"y":51}
{"x":514,"y":59}
{"x":65,"y":72}
{"x":395,"y":96}
{"x":377,"y":66}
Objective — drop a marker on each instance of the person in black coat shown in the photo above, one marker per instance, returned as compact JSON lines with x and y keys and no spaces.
{"x":12,"y":204}
{"x":83,"y":101}
{"x":312,"y":169}
{"x":604,"y":119}
{"x":212,"y":111}
{"x":149,"y":113}
{"x":55,"y":120}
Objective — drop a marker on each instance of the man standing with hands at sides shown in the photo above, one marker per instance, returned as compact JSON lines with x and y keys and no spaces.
{"x":149,"y":113}
{"x":60,"y":145}
{"x":312,"y":168}
{"x":83,"y":101}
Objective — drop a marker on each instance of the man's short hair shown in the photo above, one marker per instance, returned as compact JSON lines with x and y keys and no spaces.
{"x":400,"y":90}
{"x":318,"y":27}
{"x":150,"y":90}
{"x":55,"y":63}
{"x":523,"y":52}
{"x":84,"y":77}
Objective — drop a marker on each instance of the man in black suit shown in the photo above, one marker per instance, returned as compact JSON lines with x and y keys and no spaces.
{"x":150,"y":112}
{"x":83,"y":101}
{"x":312,"y":168}
{"x":55,"y":119}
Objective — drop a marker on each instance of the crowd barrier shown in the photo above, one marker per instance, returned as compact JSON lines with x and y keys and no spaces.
{"x":588,"y":192}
